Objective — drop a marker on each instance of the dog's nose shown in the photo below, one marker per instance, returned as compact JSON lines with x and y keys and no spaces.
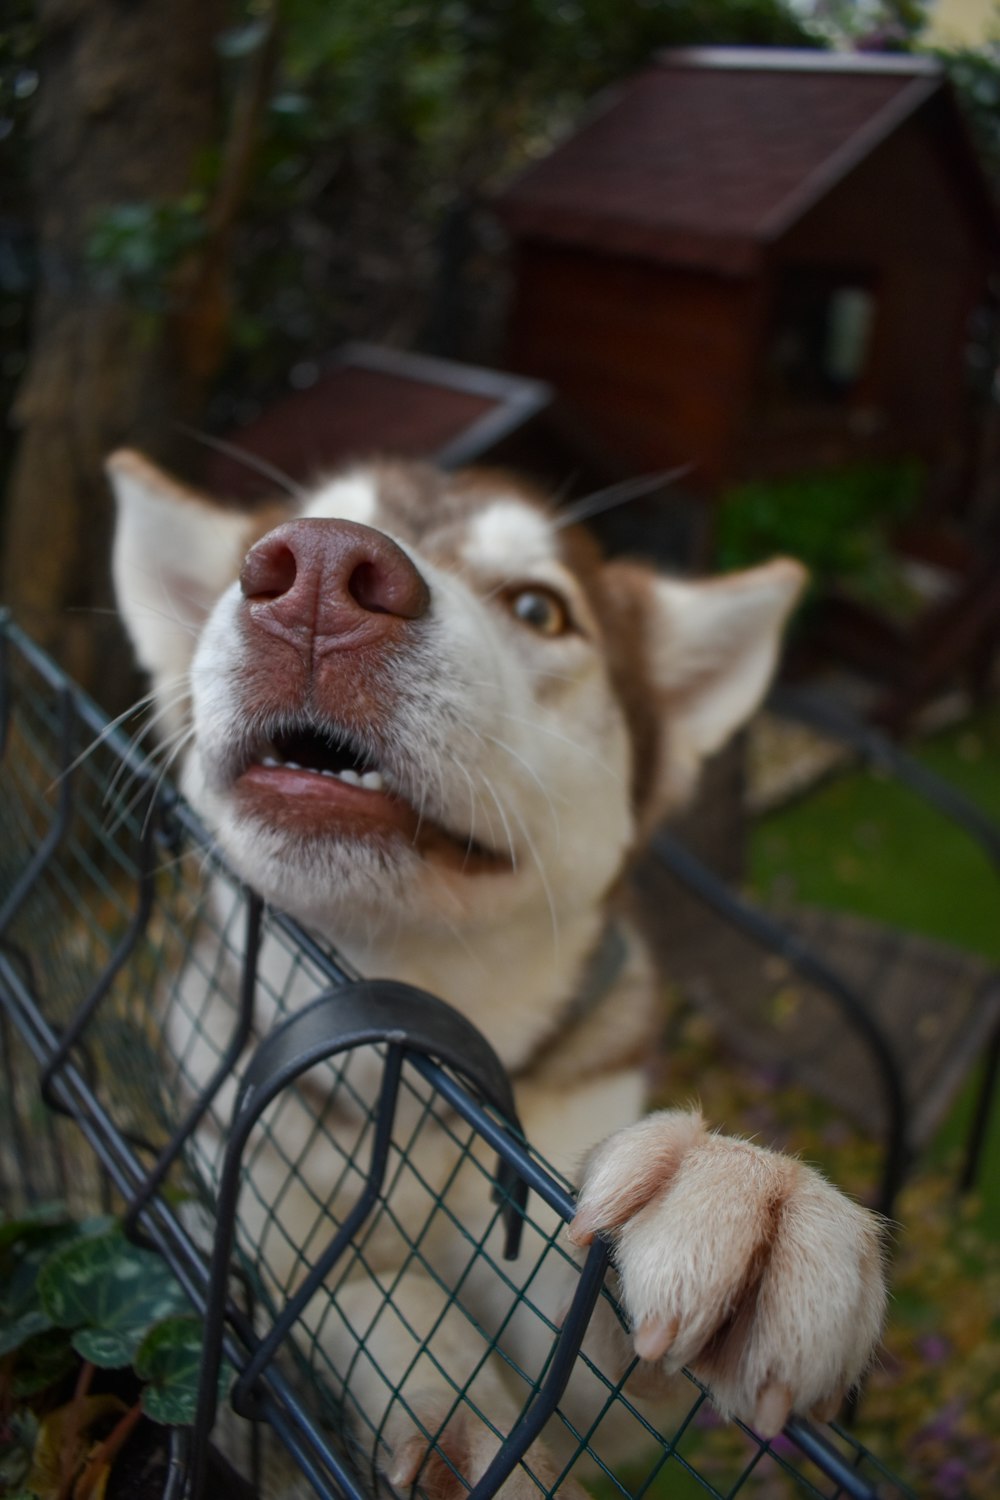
{"x":332,"y":580}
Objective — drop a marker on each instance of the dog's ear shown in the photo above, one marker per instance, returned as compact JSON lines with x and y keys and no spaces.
{"x":708,"y":655}
{"x":716,"y":646}
{"x":175,"y":552}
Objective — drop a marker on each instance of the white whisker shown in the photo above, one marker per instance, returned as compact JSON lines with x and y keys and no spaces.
{"x":509,"y":749}
{"x":564,"y":739}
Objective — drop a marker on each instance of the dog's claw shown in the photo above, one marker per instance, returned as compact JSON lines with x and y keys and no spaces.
{"x":774,"y":1402}
{"x":581,"y":1230}
{"x":654,"y":1336}
{"x":406,"y":1463}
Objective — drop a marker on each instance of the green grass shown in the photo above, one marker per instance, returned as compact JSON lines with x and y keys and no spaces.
{"x":864,"y":844}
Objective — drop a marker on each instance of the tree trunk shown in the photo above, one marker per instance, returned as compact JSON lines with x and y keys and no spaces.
{"x":129,"y":97}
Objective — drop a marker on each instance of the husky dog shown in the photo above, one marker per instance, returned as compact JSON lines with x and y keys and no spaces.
{"x":424,"y":716}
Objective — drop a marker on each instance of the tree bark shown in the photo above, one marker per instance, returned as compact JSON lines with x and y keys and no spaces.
{"x":129,"y":97}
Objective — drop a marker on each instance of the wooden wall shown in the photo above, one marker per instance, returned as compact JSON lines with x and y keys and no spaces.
{"x":665,"y":364}
{"x":901,"y":214}
{"x":656,"y":360}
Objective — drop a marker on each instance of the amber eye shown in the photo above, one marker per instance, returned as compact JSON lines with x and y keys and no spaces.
{"x":540,"y":609}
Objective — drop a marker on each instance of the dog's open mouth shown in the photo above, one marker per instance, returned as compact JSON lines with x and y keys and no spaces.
{"x":325,"y":753}
{"x":317,"y":781}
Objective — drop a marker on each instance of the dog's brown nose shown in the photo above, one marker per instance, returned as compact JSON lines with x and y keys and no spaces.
{"x":332,"y":581}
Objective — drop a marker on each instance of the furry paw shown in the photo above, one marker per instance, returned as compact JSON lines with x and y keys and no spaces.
{"x":744,"y":1265}
{"x":446,"y":1465}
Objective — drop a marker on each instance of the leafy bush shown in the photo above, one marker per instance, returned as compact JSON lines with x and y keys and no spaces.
{"x":839,"y":524}
{"x":76,"y":1298}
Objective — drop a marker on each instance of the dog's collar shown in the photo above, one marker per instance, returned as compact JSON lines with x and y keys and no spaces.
{"x":601,"y":973}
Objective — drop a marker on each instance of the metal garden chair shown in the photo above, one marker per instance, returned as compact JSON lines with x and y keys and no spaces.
{"x":884,"y":1024}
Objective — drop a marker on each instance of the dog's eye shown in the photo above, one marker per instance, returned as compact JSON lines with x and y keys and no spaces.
{"x":540,"y":609}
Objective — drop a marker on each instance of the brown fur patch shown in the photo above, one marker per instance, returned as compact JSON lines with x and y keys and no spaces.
{"x":721,"y":1354}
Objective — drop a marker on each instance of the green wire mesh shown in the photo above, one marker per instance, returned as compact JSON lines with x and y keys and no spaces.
{"x":163,"y":1012}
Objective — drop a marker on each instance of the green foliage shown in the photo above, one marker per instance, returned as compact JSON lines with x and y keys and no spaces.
{"x":169,"y":1361}
{"x":975,"y":74}
{"x":838,"y":524}
{"x":891,"y":25}
{"x":390,"y":121}
{"x":83,"y":1291}
{"x":16,"y":1449}
{"x":134,"y":247}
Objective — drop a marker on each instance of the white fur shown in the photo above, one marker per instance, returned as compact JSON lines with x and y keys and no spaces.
{"x":350,"y":497}
{"x":508,"y":537}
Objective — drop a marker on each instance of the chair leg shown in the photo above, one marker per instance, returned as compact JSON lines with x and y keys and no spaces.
{"x":981,"y":1116}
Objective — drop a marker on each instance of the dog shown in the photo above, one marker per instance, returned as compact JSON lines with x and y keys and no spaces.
{"x":426,"y":717}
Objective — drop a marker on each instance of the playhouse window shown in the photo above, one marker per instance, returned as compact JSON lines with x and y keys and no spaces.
{"x":820,"y":336}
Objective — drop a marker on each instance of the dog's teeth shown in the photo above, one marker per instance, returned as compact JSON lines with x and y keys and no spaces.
{"x":351,"y":777}
{"x":334,"y":776}
{"x":270,"y":762}
{"x":292,"y":765}
{"x":372,"y":781}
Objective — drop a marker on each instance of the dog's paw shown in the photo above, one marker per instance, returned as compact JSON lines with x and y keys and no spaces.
{"x":440,"y":1453}
{"x":743,"y":1265}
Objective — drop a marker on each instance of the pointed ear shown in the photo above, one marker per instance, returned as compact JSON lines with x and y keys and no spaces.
{"x":702,"y":657}
{"x":715,"y":648}
{"x":174,"y":553}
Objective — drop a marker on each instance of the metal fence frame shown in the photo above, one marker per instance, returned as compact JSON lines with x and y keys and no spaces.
{"x":417,"y":1029}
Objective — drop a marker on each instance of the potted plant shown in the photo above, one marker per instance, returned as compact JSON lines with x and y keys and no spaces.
{"x":99,"y":1357}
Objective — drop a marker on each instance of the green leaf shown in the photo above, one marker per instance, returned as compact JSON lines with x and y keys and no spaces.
{"x":104,"y":1347}
{"x":16,"y":1448}
{"x":41,"y":1362}
{"x":169,"y":1358}
{"x":17,"y":1331}
{"x":106,"y":1285}
{"x":26,"y":1245}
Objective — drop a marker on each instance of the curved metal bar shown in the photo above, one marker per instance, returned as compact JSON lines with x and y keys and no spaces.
{"x":567,"y":1346}
{"x":772,"y":935}
{"x":70,"y":1035}
{"x":223,"y":1069}
{"x":385,"y":1119}
{"x":829,"y":718}
{"x":404,"y":1018}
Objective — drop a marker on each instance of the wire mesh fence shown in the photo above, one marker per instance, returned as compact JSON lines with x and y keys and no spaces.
{"x":333,"y":1167}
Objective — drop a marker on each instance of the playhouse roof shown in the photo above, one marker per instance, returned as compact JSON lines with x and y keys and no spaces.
{"x":711,"y":152}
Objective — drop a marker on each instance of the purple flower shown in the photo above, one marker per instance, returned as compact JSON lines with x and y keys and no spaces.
{"x":950,"y":1479}
{"x":934,"y":1348}
{"x":943,"y":1425}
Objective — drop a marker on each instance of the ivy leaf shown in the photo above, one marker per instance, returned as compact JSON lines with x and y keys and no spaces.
{"x":111,"y":1292}
{"x":169,"y":1359}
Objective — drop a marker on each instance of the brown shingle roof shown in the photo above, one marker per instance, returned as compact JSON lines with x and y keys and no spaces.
{"x":710,"y":152}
